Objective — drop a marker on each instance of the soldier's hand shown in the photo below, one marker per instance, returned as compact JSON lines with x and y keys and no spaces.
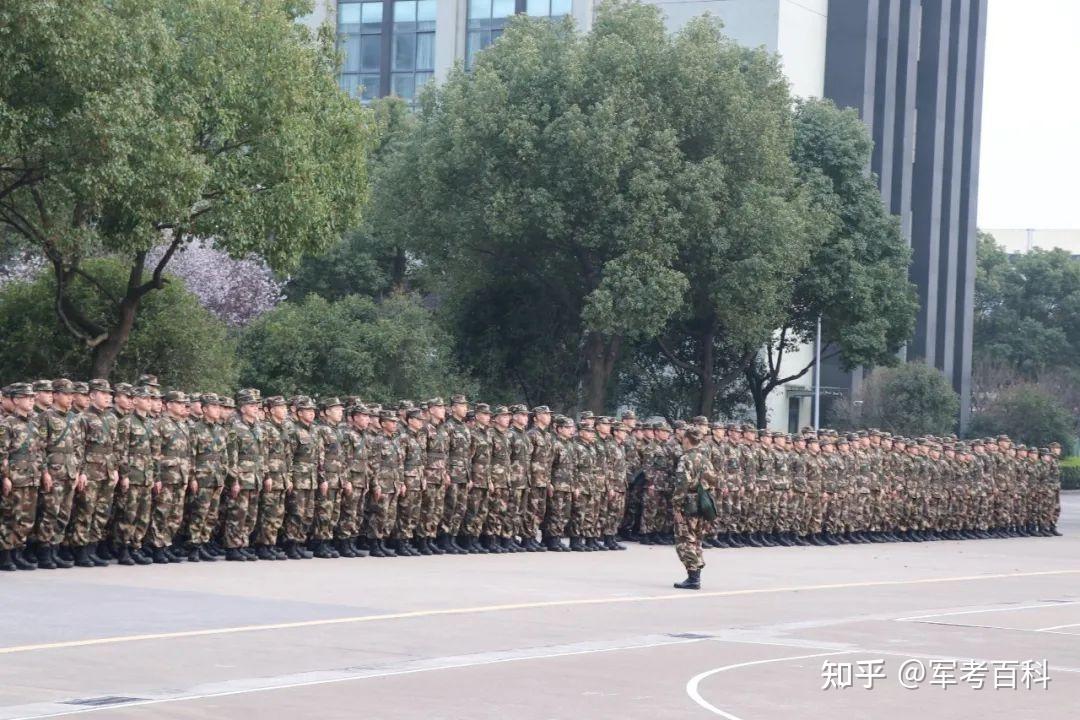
{"x":289,"y":488}
{"x":46,"y":481}
{"x":401,"y":488}
{"x":81,"y":483}
{"x":550,"y":491}
{"x":324,"y":488}
{"x":115,"y":475}
{"x":156,"y":488}
{"x":423,"y":485}
{"x":125,"y":483}
{"x":7,"y":486}
{"x":491,"y":487}
{"x":267,"y":485}
{"x":194,"y":485}
{"x":234,"y":490}
{"x":376,"y":493}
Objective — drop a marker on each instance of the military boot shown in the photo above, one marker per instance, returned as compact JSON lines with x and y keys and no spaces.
{"x":234,"y":555}
{"x":647,"y":539}
{"x":205,"y":554}
{"x":103,"y":551}
{"x":44,"y":557}
{"x":64,"y":563}
{"x":6,"y":563}
{"x":424,"y":546}
{"x":692,"y":581}
{"x":375,"y":549}
{"x":263,"y":552}
{"x":194,"y":555}
{"x":576,"y":545}
{"x":140,"y":557}
{"x":82,"y":557}
{"x":95,"y":558}
{"x":124,"y":558}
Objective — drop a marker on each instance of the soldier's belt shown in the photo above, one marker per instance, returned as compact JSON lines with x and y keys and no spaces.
{"x":436,"y":456}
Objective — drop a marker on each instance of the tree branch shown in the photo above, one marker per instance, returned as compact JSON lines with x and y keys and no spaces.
{"x":681,"y":364}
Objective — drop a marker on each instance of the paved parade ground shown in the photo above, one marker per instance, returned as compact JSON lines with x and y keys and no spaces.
{"x":570,"y":635}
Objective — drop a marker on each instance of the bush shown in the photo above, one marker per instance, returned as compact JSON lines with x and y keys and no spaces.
{"x":1070,"y":473}
{"x":174,"y":336}
{"x":355,"y":346}
{"x":912,"y":399}
{"x":1026,"y":414}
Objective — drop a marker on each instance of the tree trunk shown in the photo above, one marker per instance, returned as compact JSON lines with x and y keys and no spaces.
{"x":757,"y":391}
{"x":397,"y":272}
{"x":708,"y":376}
{"x":601,"y":353}
{"x":106,"y":353}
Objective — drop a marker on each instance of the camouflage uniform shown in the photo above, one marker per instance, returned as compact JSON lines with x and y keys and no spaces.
{"x":387,"y":462}
{"x":209,"y":442}
{"x":64,"y":458}
{"x":245,"y":469}
{"x":582,"y":522}
{"x":694,"y":468}
{"x":333,"y":471}
{"x":174,"y":470}
{"x":358,"y":476}
{"x":279,"y":457}
{"x":436,"y":440}
{"x":480,"y":461}
{"x":542,"y":443}
{"x":459,"y":449}
{"x":520,"y":459}
{"x":412,"y":445}
{"x":140,"y":444}
{"x":615,"y":506}
{"x":100,"y":454}
{"x":563,"y":482}
{"x":306,"y":451}
{"x":22,"y":454}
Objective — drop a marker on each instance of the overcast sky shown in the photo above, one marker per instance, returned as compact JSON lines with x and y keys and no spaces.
{"x":1031,"y":116}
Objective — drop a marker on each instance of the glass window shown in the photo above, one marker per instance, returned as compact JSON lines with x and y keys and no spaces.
{"x":409,"y":44}
{"x":538,"y":8}
{"x":560,"y":7}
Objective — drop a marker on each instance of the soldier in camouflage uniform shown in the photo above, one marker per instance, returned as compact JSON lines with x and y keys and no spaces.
{"x":586,"y":485}
{"x":617,"y":485}
{"x":333,"y":482}
{"x":64,"y":457}
{"x":140,"y":447}
{"x":480,"y":463}
{"x":109,"y":500}
{"x":563,"y":482}
{"x":245,"y":471}
{"x":357,"y":477}
{"x":306,"y":451}
{"x":459,"y":450}
{"x":388,"y":468}
{"x":209,"y":441}
{"x":22,"y":459}
{"x":499,"y":526}
{"x":100,"y":453}
{"x":436,"y":441}
{"x":694,"y":468}
{"x":277,"y":480}
{"x":542,"y":444}
{"x":412,"y":445}
{"x":175,"y":461}
{"x":656,"y":517}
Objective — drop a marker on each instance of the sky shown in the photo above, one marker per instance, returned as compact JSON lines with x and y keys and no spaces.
{"x":1030,"y":158}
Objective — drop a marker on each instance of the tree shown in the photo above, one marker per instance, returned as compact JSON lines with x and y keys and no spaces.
{"x":130,"y":124}
{"x":174,"y":337}
{"x":911,"y":399}
{"x":856,"y":279}
{"x":380,"y":351}
{"x":1028,"y":415}
{"x":1027,"y":308}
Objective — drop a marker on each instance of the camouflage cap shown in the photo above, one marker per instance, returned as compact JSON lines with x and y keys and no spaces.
{"x":405,"y":404}
{"x":1054,"y":444}
{"x":718,"y":425}
{"x":603,"y":420}
{"x":210,"y":399}
{"x":43,"y":386}
{"x":331,"y":401}
{"x":20,"y":390}
{"x":699,"y":420}
{"x":374,"y":409}
{"x":694,"y":432}
{"x":385,"y":415}
{"x":99,"y":385}
{"x":628,"y":415}
{"x":81,"y":388}
{"x":414,"y":413}
{"x":619,"y":427}
{"x":152,"y":391}
{"x":148,"y":380}
{"x":1045,"y":451}
{"x":540,"y":409}
{"x":63,"y":385}
{"x":248,"y":397}
{"x":519,"y":409}
{"x":227,"y":402}
{"x":661,"y":425}
{"x":498,"y":410}
{"x":585,"y":415}
{"x":1003,"y":438}
{"x":680,"y":424}
{"x":482,"y":408}
{"x":123,"y":389}
{"x":357,"y":409}
{"x":142,"y":392}
{"x":459,"y":400}
{"x":176,"y":396}
{"x":436,"y":402}
{"x":303,"y":402}
{"x":563,"y":421}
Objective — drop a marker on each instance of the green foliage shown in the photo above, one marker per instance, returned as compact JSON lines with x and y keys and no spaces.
{"x":1070,"y":477}
{"x":356,"y":265}
{"x":1028,"y":415}
{"x":175,"y":337}
{"x":1027,"y":308}
{"x":912,"y":399}
{"x":380,"y":351}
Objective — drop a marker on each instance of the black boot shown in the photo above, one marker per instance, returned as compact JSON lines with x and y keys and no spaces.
{"x":104,"y":551}
{"x":64,"y":563}
{"x":647,"y":539}
{"x":323,"y":551}
{"x":234,"y":555}
{"x":124,"y":558}
{"x":263,"y":552}
{"x":92,"y":552}
{"x":6,"y":563}
{"x":44,"y":557}
{"x":375,"y":550}
{"x":423,"y":546}
{"x":171,"y":556}
{"x":576,"y":544}
{"x":140,"y":557}
{"x":21,"y":562}
{"x":387,"y":550}
{"x":692,"y":581}
{"x":194,"y":554}
{"x":82,"y":557}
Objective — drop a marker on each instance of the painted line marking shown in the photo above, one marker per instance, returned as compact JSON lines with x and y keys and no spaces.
{"x":991,"y":609}
{"x":1058,"y":627}
{"x":257,"y":685}
{"x":694,"y":682}
{"x":480,"y":609}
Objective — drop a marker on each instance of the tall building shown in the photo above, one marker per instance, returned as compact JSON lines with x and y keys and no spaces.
{"x":912,"y":68}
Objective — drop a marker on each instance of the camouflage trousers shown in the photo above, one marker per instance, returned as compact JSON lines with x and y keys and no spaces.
{"x":350,"y":521}
{"x":166,"y":514}
{"x":133,"y":515}
{"x":408,"y":512}
{"x":632,"y":514}
{"x":517,"y":506}
{"x":383,"y":514}
{"x":558,"y":513}
{"x":327,"y":512}
{"x":80,"y":528}
{"x":498,"y":505}
{"x":582,"y":515}
{"x":54,"y":509}
{"x":17,"y":516}
{"x":432,"y":507}
{"x":781,"y":516}
{"x":476,"y":510}
{"x":299,"y":513}
{"x":240,"y":517}
{"x":656,"y":514}
{"x":536,"y":502}
{"x":202,"y":513}
{"x":688,"y":541}
{"x":613,"y":513}
{"x":454,"y":506}
{"x":271,"y":517}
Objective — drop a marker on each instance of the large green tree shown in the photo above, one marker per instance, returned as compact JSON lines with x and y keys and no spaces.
{"x":125,"y":124}
{"x":174,"y":337}
{"x":911,"y":399}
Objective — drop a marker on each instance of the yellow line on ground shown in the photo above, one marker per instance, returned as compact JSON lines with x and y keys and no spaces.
{"x":480,"y":609}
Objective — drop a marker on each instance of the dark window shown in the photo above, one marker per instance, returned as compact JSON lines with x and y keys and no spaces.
{"x":389,"y":46}
{"x":488,"y":18}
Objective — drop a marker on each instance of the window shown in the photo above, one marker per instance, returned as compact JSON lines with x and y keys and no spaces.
{"x":488,"y":19}
{"x":389,"y":46}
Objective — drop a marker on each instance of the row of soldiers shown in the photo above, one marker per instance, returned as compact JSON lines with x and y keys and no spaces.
{"x":93,"y":473}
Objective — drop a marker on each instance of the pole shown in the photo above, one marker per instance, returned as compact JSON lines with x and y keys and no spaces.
{"x":817,"y":377}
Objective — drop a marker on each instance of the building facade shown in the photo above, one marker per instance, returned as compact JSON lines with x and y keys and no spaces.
{"x":912,"y":68}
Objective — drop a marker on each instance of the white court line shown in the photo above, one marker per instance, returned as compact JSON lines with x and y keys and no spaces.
{"x":1058,"y":627}
{"x":692,"y":685}
{"x":991,"y":610}
{"x":56,"y":709}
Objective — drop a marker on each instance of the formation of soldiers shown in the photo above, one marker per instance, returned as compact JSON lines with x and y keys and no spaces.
{"x":94,"y":473}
